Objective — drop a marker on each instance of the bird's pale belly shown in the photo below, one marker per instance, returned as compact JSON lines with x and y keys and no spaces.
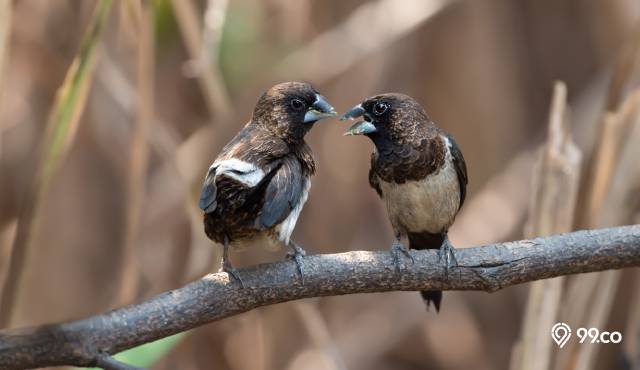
{"x":428,"y":205}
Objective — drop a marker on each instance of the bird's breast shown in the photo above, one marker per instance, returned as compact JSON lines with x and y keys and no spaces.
{"x":429,"y":204}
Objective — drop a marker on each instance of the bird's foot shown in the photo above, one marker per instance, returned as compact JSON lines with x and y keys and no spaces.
{"x":297,"y":254}
{"x":398,"y":249}
{"x":232,"y":272}
{"x":447,"y":253}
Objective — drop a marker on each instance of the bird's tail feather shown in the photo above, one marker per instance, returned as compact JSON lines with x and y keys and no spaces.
{"x":432,"y":296}
{"x":421,"y":241}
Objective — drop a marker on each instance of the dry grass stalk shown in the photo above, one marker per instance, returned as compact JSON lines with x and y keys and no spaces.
{"x":211,"y":81}
{"x":615,"y":180}
{"x":214,"y":19}
{"x":621,"y":203}
{"x":552,"y":209}
{"x":622,"y":101}
{"x":129,"y":14}
{"x":7,"y":235}
{"x":139,"y":153}
{"x":204,"y":49}
{"x":203,"y":43}
{"x":60,"y":132}
{"x":161,"y":144}
{"x":612,"y":135}
{"x":622,"y":200}
{"x":187,"y":163}
{"x":599,"y":314}
{"x":627,"y":72}
{"x":5,"y":29}
{"x":617,"y":121}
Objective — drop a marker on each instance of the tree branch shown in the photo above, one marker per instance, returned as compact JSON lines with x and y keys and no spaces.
{"x":487,"y":268}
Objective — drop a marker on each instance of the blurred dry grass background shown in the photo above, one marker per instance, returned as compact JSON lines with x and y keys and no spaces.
{"x":174,"y":80}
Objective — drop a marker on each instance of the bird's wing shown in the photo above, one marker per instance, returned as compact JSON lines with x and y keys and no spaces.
{"x":208,"y":195}
{"x":374,"y":181}
{"x":284,"y":191}
{"x":460,"y":166}
{"x":242,"y":161}
{"x":245,"y":176}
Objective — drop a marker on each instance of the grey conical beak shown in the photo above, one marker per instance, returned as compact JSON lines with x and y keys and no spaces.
{"x":353,"y":113}
{"x":361,"y":128}
{"x":319,"y":109}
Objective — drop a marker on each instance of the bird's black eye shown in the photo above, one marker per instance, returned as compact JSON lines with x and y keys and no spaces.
{"x":380,"y":108}
{"x":297,"y":104}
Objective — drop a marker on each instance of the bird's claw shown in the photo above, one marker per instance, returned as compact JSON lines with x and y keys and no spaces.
{"x":396,"y":250}
{"x":232,"y":272}
{"x":447,"y":253}
{"x":297,"y":254}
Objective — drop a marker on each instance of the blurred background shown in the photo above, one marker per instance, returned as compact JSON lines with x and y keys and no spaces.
{"x":111,"y":113}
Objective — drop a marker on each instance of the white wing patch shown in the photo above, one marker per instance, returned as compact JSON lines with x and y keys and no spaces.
{"x":239,"y":170}
{"x":289,"y":223}
{"x":448,"y":143}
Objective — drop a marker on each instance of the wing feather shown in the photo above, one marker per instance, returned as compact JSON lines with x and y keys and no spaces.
{"x":460,"y":166}
{"x":208,"y":195}
{"x":282,"y":194}
{"x":374,"y":181}
{"x":245,"y":174}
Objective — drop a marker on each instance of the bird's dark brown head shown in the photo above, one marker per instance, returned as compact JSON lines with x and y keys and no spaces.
{"x":289,"y":110}
{"x":388,"y":117}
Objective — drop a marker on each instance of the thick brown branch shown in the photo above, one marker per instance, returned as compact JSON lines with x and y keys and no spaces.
{"x":488,"y":268}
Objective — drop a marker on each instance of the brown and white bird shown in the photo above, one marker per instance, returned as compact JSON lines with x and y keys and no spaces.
{"x":417,"y":169}
{"x":258,"y":184}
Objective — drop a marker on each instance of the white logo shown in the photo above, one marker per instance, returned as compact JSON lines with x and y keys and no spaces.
{"x":561,"y":333}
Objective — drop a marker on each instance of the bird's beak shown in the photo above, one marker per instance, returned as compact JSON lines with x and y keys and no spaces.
{"x":319,"y":109}
{"x":361,"y":128}
{"x":353,"y":113}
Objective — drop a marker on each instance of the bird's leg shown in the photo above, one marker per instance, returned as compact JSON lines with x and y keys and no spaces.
{"x":297,"y":253}
{"x":447,"y":252}
{"x":397,"y":248}
{"x":226,"y":263}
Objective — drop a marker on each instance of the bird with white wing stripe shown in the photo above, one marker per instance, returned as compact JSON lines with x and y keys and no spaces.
{"x":258,"y":184}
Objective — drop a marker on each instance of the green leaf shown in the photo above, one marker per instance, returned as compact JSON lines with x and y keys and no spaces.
{"x":148,"y":354}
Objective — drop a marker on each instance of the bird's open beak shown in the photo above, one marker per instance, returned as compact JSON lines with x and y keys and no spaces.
{"x":319,"y":109}
{"x":360,"y":127}
{"x":353,"y":113}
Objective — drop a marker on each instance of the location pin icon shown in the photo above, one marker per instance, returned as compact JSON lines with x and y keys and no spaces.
{"x":561,"y":333}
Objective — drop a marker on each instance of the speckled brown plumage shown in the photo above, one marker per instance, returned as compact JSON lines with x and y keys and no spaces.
{"x":258,"y":184}
{"x":238,"y":209}
{"x":407,"y":144}
{"x":416,"y":168}
{"x":273,"y":143}
{"x":274,"y":113}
